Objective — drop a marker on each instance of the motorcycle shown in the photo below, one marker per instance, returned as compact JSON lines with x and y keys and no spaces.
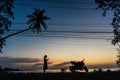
{"x":80,"y":65}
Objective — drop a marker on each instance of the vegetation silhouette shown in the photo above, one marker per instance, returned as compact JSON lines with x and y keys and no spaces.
{"x":45,"y":65}
{"x":114,"y":7}
{"x":7,"y":69}
{"x":118,"y":57}
{"x":100,"y":70}
{"x":6,"y":15}
{"x":108,"y":70}
{"x":36,"y":20}
{"x":63,"y":70}
{"x":80,"y":65}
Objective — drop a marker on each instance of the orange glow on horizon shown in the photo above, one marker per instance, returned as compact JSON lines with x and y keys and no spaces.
{"x":56,"y":61}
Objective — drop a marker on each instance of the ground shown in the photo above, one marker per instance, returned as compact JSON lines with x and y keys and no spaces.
{"x":61,"y":76}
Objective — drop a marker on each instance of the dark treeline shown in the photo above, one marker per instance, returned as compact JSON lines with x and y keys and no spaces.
{"x":7,"y":69}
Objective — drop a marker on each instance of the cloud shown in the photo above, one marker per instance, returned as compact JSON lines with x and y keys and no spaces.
{"x":41,"y":64}
{"x":34,"y":63}
{"x":60,"y":65}
{"x":51,"y":65}
{"x":38,"y":64}
{"x":95,"y":66}
{"x":18,"y":60}
{"x":11,"y":62}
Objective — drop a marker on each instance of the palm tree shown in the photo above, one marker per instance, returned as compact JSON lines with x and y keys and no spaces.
{"x":36,"y":22}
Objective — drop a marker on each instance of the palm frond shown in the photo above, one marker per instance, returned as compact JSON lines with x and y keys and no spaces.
{"x":42,"y":11}
{"x":44,"y":25}
{"x":31,"y":25}
{"x":30,"y":16}
{"x":31,"y":20}
{"x":45,"y":18}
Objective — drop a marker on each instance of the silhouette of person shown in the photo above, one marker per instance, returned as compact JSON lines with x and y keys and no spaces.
{"x":45,"y":66}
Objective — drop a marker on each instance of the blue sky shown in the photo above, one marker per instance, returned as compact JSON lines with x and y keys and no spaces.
{"x":63,"y":41}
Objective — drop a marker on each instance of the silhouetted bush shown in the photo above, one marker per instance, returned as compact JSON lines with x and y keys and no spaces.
{"x":100,"y":70}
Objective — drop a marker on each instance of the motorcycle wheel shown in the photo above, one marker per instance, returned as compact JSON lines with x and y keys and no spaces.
{"x":85,"y":68}
{"x":72,"y":69}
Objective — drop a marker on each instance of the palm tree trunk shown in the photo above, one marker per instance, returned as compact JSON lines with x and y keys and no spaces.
{"x":15,"y":33}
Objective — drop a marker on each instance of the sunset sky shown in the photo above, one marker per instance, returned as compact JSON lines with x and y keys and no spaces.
{"x":76,"y":31}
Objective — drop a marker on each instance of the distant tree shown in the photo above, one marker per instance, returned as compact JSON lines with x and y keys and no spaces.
{"x":94,"y":70}
{"x":118,"y":57}
{"x":100,"y":70}
{"x":36,"y":20}
{"x":6,"y":14}
{"x":63,"y":70}
{"x":0,"y":69}
{"x":114,"y":7}
{"x":108,"y":70}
